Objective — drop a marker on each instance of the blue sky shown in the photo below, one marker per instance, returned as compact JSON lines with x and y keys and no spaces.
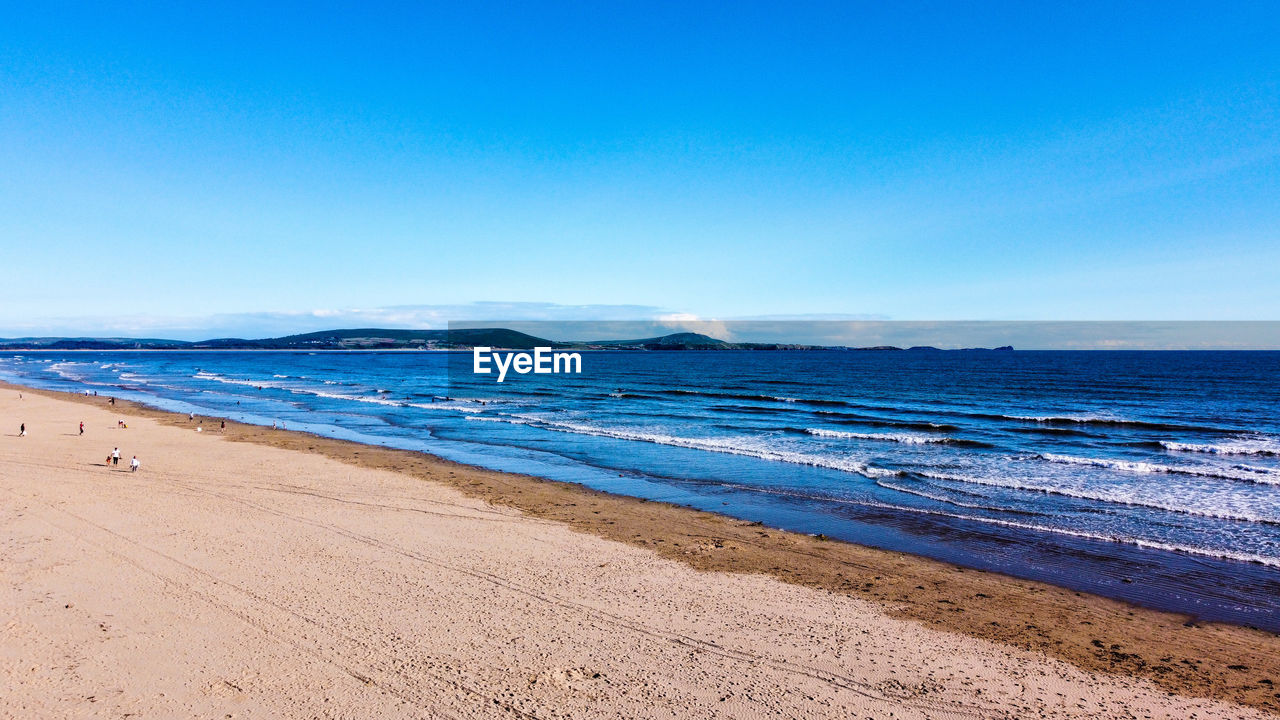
{"x":168,"y":170}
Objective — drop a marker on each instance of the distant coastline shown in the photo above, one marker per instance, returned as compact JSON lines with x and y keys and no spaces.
{"x":364,"y":339}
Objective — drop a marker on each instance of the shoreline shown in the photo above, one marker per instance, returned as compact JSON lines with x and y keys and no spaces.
{"x":1216,"y":661}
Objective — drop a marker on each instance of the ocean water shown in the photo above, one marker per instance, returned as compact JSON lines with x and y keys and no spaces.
{"x":1152,"y":477}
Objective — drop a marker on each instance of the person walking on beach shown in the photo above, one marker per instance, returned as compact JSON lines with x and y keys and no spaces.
{"x":223,"y":427}
{"x":22,"y":431}
{"x":115,"y":457}
{"x":134,"y":464}
{"x":81,"y":427}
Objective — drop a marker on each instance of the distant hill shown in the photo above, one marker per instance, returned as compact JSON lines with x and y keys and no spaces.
{"x":353,"y":339}
{"x":371,"y":339}
{"x":387,"y":339}
{"x":681,"y":340}
{"x":83,"y":343}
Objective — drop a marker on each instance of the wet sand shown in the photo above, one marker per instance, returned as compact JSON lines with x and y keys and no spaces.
{"x":256,"y":573}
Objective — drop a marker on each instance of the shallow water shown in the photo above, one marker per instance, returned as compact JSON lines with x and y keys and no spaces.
{"x":1147,"y":476}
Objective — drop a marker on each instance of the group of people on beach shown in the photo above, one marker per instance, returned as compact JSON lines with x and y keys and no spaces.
{"x":191,"y":417}
{"x":114,"y":459}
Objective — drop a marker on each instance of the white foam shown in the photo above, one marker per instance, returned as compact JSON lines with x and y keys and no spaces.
{"x":443,"y":406}
{"x":439,"y":406}
{"x":1139,"y":542}
{"x":202,"y":375}
{"x":1068,"y":418}
{"x":64,"y":370}
{"x":755,"y":449}
{"x":1239,"y":446}
{"x":936,"y":498}
{"x":1246,"y":473}
{"x":904,"y":438}
{"x":1110,"y":494}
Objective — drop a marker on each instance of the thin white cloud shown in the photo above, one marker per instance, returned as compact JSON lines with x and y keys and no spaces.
{"x":688,"y":322}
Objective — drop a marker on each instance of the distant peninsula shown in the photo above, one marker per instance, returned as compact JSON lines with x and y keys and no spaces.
{"x":389,"y":339}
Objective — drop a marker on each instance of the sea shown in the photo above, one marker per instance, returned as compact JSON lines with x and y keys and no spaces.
{"x":1150,"y":477}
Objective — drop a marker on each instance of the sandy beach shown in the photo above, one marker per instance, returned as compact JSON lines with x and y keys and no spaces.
{"x":260,"y":573}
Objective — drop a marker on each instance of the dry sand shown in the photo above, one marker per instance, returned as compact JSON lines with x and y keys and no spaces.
{"x":240,"y":579}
